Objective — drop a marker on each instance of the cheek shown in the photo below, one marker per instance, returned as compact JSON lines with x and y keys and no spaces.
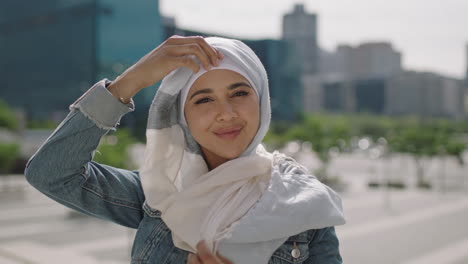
{"x":199,"y":120}
{"x":251,"y":112}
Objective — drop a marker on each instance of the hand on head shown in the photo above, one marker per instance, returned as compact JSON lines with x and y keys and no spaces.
{"x":176,"y":51}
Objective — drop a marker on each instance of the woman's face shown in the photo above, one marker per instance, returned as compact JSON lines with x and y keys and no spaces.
{"x":223,"y":115}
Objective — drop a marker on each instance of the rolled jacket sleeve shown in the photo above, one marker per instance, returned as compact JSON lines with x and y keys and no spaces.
{"x":99,"y":105}
{"x":64,"y":170}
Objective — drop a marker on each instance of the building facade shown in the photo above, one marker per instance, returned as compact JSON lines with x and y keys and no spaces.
{"x":368,"y":61}
{"x":466,"y":83}
{"x":300,"y":29}
{"x":425,"y":94}
{"x":54,"y":50}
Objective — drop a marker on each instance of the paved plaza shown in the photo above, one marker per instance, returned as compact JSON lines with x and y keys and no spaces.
{"x":408,"y":226}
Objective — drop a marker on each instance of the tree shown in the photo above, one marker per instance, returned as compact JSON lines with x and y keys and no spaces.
{"x":328,"y":134}
{"x":9,"y":152}
{"x":112,"y":149}
{"x":331,"y":134}
{"x":7,"y":116}
{"x":426,"y":140}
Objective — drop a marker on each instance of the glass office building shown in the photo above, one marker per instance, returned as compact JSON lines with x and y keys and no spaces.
{"x":284,"y":76}
{"x":370,"y":95}
{"x":53,"y":50}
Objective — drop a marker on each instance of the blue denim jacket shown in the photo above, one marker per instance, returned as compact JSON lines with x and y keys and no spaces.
{"x":63,"y":170}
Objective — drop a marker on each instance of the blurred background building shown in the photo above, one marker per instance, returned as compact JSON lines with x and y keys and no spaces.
{"x":466,"y":81}
{"x":300,"y":29}
{"x":425,"y":94}
{"x":54,"y":50}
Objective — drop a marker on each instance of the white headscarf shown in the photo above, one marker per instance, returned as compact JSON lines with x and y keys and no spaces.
{"x":227,"y":64}
{"x":199,"y":204}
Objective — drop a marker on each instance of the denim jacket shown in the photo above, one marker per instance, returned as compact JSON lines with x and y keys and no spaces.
{"x":63,"y":169}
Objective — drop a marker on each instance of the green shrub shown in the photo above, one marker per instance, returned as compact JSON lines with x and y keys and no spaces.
{"x":9,"y":152}
{"x":112,"y":149}
{"x":7,"y":116}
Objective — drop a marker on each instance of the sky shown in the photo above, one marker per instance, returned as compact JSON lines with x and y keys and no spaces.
{"x":432,"y":35}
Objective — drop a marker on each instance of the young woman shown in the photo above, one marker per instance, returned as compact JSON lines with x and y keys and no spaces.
{"x":208,"y":191}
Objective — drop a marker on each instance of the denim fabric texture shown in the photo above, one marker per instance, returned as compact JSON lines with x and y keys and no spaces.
{"x":63,"y":169}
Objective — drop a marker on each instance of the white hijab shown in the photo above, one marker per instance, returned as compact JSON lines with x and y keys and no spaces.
{"x":231,"y":202}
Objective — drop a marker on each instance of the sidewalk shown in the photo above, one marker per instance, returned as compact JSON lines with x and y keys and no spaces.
{"x":407,"y":226}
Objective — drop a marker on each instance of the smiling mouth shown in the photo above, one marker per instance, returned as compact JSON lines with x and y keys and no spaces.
{"x":229,"y":135}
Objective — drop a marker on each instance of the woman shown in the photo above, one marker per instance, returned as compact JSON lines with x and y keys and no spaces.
{"x":207,"y":192}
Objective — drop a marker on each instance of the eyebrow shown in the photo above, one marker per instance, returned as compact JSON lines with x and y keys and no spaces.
{"x":230,"y":87}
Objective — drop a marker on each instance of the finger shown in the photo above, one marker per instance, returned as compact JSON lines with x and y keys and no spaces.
{"x":193,"y":259}
{"x":190,"y":49}
{"x":220,"y":55}
{"x":205,"y":255}
{"x":188,"y":62}
{"x":211,"y":51}
{"x":207,"y":48}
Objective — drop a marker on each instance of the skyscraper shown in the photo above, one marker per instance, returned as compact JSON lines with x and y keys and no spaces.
{"x":300,"y":29}
{"x":465,"y":91}
{"x":126,"y":31}
{"x":54,"y":50}
{"x":466,"y":65}
{"x":368,"y":60}
{"x":425,"y":94}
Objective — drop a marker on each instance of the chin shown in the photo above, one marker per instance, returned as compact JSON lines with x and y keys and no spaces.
{"x":230,"y":151}
{"x":229,"y":154}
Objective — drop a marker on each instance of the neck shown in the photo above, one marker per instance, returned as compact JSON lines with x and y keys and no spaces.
{"x":212,"y":160}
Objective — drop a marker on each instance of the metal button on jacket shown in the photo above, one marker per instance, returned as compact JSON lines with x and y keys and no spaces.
{"x":295,"y":253}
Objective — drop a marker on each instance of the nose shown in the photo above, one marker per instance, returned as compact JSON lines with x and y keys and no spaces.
{"x":226,"y":112}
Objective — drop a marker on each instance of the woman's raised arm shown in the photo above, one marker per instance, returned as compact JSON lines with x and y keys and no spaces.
{"x":62,"y":168}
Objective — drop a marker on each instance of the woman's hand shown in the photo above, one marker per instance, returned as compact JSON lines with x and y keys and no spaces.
{"x":205,"y":257}
{"x":172,"y":53}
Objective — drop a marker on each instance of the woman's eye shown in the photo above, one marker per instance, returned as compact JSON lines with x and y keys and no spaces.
{"x":203,"y":100}
{"x":241,"y":93}
{"x":206,"y":99}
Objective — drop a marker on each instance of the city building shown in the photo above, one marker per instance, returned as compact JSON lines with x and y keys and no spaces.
{"x":54,"y":50}
{"x":300,"y":29}
{"x":370,"y":95}
{"x":368,"y":61}
{"x":313,"y":92}
{"x":352,"y":78}
{"x":424,"y":94}
{"x":466,"y":82}
{"x":339,"y":96}
{"x":466,"y":65}
{"x":284,"y":77}
{"x":126,"y":31}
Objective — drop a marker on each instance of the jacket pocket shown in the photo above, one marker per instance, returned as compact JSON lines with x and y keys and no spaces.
{"x":284,"y":254}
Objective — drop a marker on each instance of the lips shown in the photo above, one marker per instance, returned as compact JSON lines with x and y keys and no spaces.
{"x":229,"y":132}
